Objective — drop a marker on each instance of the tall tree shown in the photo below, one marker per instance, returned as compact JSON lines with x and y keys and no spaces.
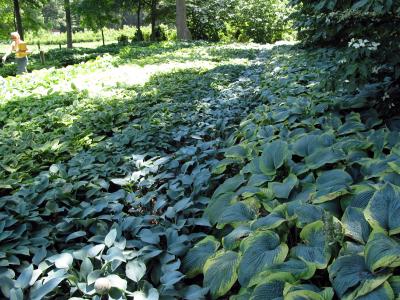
{"x":18,"y":19}
{"x":183,"y":32}
{"x":153,"y":17}
{"x":67,"y":7}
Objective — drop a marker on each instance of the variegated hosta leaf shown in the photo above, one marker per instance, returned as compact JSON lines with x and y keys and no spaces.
{"x":305,"y":213}
{"x":282,"y":190}
{"x":195,"y":259}
{"x":383,"y":209}
{"x":307,"y":291}
{"x":220,"y":272}
{"x":355,"y":225}
{"x":382,"y":251}
{"x":273,"y":157}
{"x":323,"y":157}
{"x":310,"y":143}
{"x":394,"y":282}
{"x":259,"y":250}
{"x":314,"y":250}
{"x":268,"y":290}
{"x":233,"y":239}
{"x":271,"y":221}
{"x":332,"y":184}
{"x":240,"y":212}
{"x":360,"y":196}
{"x":217,"y":206}
{"x":349,"y":275}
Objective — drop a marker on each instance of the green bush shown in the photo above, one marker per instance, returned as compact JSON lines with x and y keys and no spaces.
{"x":369,"y":33}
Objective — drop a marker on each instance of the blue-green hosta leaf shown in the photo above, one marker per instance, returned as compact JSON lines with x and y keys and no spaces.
{"x":310,"y":143}
{"x":314,"y":250}
{"x":238,"y":151}
{"x":233,"y":239}
{"x":273,"y":220}
{"x":63,"y":260}
{"x":193,"y":292}
{"x":39,"y":292}
{"x":332,"y":184}
{"x":394,"y":282}
{"x":273,"y":157}
{"x":230,"y":185}
{"x":259,"y":250}
{"x":240,"y":212}
{"x":305,"y":213}
{"x":383,"y":292}
{"x":195,"y":259}
{"x":355,"y":225}
{"x":348,"y":273}
{"x":268,"y":290}
{"x":152,"y":294}
{"x":351,"y":248}
{"x":135,"y":270}
{"x":383,"y":209}
{"x":220,"y":272}
{"x":307,"y":291}
{"x":217,"y":206}
{"x":373,"y":168}
{"x":291,"y":271}
{"x":382,"y":251}
{"x":25,"y":277}
{"x":324,"y":156}
{"x":352,"y":124}
{"x":360,"y":196}
{"x":282,"y":190}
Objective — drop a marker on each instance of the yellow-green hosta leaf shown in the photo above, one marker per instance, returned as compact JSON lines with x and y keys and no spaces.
{"x":307,"y":291}
{"x":394,"y":282}
{"x":220,"y":272}
{"x":259,"y":250}
{"x":382,"y":251}
{"x":195,"y":259}
{"x":383,"y":209}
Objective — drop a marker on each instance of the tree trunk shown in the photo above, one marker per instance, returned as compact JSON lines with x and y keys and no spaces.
{"x":183,"y":32}
{"x":67,"y":8}
{"x":18,"y":19}
{"x":138,"y":12}
{"x":102,"y":36}
{"x":153,"y":19}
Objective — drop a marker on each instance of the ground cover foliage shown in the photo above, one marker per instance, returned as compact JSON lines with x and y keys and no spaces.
{"x":114,"y":187}
{"x":309,"y":207}
{"x":236,"y":176}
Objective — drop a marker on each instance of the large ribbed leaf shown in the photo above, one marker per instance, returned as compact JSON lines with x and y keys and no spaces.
{"x":355,"y":225}
{"x":218,"y":205}
{"x":273,"y":157}
{"x":305,"y":213}
{"x":230,"y":185}
{"x":332,"y":184}
{"x":323,"y":157}
{"x":307,"y":291}
{"x":360,"y":196}
{"x":292,"y":269}
{"x":310,"y":143}
{"x":382,"y":251}
{"x":383,"y":210}
{"x":314,"y":250}
{"x":268,"y":290}
{"x":350,"y":273}
{"x":273,"y":220}
{"x":282,"y":190}
{"x":220,"y":272}
{"x":394,"y":282}
{"x":260,"y":250}
{"x":352,"y":124}
{"x":237,"y":213}
{"x":195,"y":259}
{"x":383,"y":292}
{"x":233,"y":239}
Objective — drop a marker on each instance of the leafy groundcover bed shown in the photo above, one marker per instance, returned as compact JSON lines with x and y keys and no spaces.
{"x":166,"y":196}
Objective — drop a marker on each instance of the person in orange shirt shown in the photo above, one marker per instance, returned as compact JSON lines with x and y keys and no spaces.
{"x":21,"y":53}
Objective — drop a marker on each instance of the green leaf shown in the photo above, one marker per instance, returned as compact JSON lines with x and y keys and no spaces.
{"x":383,"y":209}
{"x":355,"y":225}
{"x":268,"y":291}
{"x":237,"y":213}
{"x":220,"y":272}
{"x":41,"y":291}
{"x":324,"y":156}
{"x":282,"y":190}
{"x":135,"y":270}
{"x":110,"y":238}
{"x":273,"y":157}
{"x":332,"y":184}
{"x":25,"y":277}
{"x":63,"y":261}
{"x":382,"y":252}
{"x":259,"y":250}
{"x":350,"y":273}
{"x":117,"y":282}
{"x":195,"y":259}
{"x":313,"y":251}
{"x":217,"y":206}
{"x":233,"y":239}
{"x":86,"y":268}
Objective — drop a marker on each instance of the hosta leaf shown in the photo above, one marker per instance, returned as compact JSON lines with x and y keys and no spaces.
{"x":25,"y":277}
{"x":293,"y":268}
{"x":195,"y":259}
{"x":193,"y":292}
{"x":236,"y":213}
{"x":394,"y":282}
{"x":282,"y":190}
{"x":360,"y":195}
{"x":355,"y":225}
{"x":332,"y":184}
{"x":348,"y":273}
{"x":313,"y":251}
{"x":323,"y":157}
{"x":41,"y":291}
{"x":305,"y":213}
{"x":63,"y":261}
{"x":273,"y":157}
{"x":230,"y":185}
{"x":260,"y":250}
{"x":135,"y":270}
{"x":307,"y":292}
{"x":233,"y":239}
{"x":384,"y":208}
{"x":217,"y":206}
{"x":220,"y":272}
{"x":273,"y":220}
{"x":268,"y":290}
{"x":384,"y":292}
{"x":382,"y":252}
